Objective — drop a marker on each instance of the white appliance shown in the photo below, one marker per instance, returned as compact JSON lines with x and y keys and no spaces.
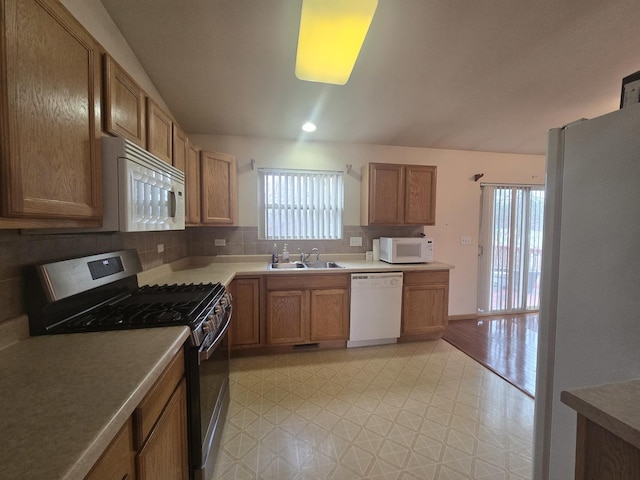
{"x":376,"y":306}
{"x":590,"y":302}
{"x":141,"y":192}
{"x":406,"y":249}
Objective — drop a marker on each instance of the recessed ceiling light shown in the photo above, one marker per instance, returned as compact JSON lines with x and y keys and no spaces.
{"x":309,"y":127}
{"x":330,"y":37}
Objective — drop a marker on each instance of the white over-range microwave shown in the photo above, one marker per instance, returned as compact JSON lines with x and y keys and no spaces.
{"x":141,"y":192}
{"x":406,"y":249}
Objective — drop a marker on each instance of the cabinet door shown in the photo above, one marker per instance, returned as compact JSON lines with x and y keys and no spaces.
{"x":245,"y":326}
{"x":386,"y":194}
{"x":164,"y":455}
{"x":118,"y":460}
{"x":50,"y":123}
{"x":192,"y":185}
{"x":218,"y":188}
{"x":159,"y":132}
{"x":124,"y":104}
{"x":329,"y":314}
{"x":180,"y":148}
{"x":425,"y":298}
{"x":287,"y":317}
{"x":420,"y":195}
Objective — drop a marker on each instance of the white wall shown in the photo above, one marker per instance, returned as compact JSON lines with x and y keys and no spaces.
{"x":458,"y":195}
{"x":93,"y":16}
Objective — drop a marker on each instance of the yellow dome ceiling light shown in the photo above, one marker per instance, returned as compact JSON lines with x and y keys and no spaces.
{"x":330,"y":38}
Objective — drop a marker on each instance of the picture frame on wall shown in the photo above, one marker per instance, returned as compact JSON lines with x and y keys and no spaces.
{"x":630,"y":90}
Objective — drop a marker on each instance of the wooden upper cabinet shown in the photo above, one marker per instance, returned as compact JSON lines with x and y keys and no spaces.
{"x":420,"y":195}
{"x":386,"y":194}
{"x":393,"y":194}
{"x":159,"y":132}
{"x":180,"y":148}
{"x":192,"y":185}
{"x":50,"y":124}
{"x":218,"y":180}
{"x":124,"y":104}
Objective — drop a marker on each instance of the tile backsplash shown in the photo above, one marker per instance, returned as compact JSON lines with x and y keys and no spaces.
{"x":244,"y":240}
{"x":18,"y":250}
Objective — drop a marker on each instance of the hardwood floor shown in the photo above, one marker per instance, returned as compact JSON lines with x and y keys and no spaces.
{"x":505,"y":344}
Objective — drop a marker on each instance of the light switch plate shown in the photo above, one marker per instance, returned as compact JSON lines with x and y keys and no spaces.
{"x":160,"y":247}
{"x":220,"y":242}
{"x":355,"y":241}
{"x":465,"y":240}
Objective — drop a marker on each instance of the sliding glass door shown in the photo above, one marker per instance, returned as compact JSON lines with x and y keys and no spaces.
{"x":510,"y":248}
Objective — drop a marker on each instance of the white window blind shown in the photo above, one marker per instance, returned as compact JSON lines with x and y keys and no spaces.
{"x":300,"y":204}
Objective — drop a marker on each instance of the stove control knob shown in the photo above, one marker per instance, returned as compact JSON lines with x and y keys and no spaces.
{"x":217,"y":310}
{"x":210,"y":324}
{"x":224,"y":302}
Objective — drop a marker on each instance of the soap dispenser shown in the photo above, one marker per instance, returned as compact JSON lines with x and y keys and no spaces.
{"x":285,"y":254}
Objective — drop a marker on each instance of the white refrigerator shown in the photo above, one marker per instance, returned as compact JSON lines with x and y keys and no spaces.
{"x":590,"y":288}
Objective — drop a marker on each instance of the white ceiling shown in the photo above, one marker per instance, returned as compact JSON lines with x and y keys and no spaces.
{"x":489,"y":75}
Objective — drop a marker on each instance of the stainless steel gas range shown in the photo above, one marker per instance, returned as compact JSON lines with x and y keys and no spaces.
{"x":101,"y":292}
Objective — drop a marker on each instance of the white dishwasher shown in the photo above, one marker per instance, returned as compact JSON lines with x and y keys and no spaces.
{"x":376,"y":306}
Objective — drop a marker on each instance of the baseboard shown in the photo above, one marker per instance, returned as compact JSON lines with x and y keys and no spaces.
{"x":468,"y":316}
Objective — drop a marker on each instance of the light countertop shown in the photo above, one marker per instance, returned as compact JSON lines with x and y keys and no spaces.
{"x":223,"y":268}
{"x":64,"y":397}
{"x":613,"y":406}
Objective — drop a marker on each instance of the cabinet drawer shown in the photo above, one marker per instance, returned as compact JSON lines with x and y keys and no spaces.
{"x":421,"y":278}
{"x":307,"y":281}
{"x":117,"y":462}
{"x":152,"y":405}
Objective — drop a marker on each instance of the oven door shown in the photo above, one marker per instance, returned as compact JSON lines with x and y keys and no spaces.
{"x":208,"y":400}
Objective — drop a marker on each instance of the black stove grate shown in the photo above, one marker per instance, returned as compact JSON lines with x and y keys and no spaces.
{"x":150,"y":306}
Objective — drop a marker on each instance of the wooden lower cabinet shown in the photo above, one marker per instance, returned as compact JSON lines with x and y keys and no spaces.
{"x":318,"y":312}
{"x":288,"y":317}
{"x":118,"y":460}
{"x":153,"y":443}
{"x":161,"y":427}
{"x":425,"y":301}
{"x":164,"y":454}
{"x":329,"y":314}
{"x":245,"y":325}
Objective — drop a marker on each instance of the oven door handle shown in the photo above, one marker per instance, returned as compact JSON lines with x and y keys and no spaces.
{"x":204,"y":355}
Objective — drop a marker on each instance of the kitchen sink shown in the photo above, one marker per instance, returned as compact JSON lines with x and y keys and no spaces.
{"x":298,"y":265}
{"x":323,"y":265}
{"x":286,"y":266}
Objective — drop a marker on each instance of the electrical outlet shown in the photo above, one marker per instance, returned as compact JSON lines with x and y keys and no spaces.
{"x":160,"y":247}
{"x":465,"y":240}
{"x":220,"y":242}
{"x":355,"y":241}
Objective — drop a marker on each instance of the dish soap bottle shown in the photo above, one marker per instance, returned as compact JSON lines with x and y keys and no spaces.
{"x":274,"y":254}
{"x":285,"y":254}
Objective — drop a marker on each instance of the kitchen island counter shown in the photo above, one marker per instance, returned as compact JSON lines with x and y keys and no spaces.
{"x":64,"y":397}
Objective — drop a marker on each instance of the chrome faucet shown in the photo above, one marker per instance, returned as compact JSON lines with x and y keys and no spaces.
{"x":304,"y":258}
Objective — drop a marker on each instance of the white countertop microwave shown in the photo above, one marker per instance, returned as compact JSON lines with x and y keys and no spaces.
{"x":406,"y":249}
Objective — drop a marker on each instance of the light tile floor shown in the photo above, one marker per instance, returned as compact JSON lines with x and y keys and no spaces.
{"x":409,"y":411}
